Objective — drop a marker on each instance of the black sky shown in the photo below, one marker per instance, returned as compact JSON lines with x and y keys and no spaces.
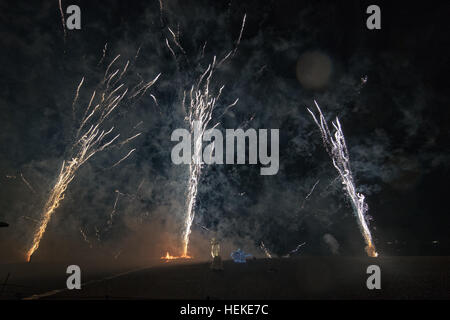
{"x":396,"y":125}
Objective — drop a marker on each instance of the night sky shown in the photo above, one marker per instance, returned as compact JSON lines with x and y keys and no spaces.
{"x":396,"y":125}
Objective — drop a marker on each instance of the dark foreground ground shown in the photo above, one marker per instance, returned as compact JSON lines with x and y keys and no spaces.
{"x":293,"y":278}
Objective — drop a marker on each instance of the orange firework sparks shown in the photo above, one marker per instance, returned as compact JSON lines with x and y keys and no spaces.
{"x":88,"y":142}
{"x":371,"y":251}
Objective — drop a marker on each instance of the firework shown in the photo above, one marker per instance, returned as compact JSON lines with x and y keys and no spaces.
{"x":292,"y":252}
{"x":337,"y":149}
{"x":200,"y":108}
{"x":27,"y":183}
{"x":88,"y":142}
{"x":309,"y":194}
{"x":266,"y":251}
{"x":199,"y":105}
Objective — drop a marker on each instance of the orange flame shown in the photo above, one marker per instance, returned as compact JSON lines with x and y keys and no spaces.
{"x":168,"y":257}
{"x":371,"y":252}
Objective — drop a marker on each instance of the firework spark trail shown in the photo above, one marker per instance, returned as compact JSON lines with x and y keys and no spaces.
{"x":131,"y":138}
{"x":203,"y":50}
{"x":87,"y":143}
{"x":27,"y":183}
{"x":161,"y":11}
{"x":137,"y":53}
{"x":266,"y":251}
{"x":97,"y":234}
{"x":170,"y":49}
{"x":62,"y":20}
{"x":85,"y":238}
{"x":200,"y":109}
{"x":113,"y":212}
{"x":105,"y":48}
{"x":238,"y":42}
{"x":141,"y":89}
{"x":312,"y":190}
{"x":154,"y":99}
{"x":140,"y":186}
{"x":332,"y":182}
{"x":115,"y":202}
{"x":123,"y":159}
{"x":175,"y":39}
{"x":31,"y":219}
{"x":309,"y":194}
{"x":337,"y":149}
{"x":245,"y":123}
{"x":76,"y":98}
{"x":297,"y":248}
{"x":138,"y":124}
{"x":203,"y":227}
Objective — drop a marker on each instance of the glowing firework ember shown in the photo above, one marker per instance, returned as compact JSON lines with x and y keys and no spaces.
{"x":88,"y":142}
{"x":337,"y":149}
